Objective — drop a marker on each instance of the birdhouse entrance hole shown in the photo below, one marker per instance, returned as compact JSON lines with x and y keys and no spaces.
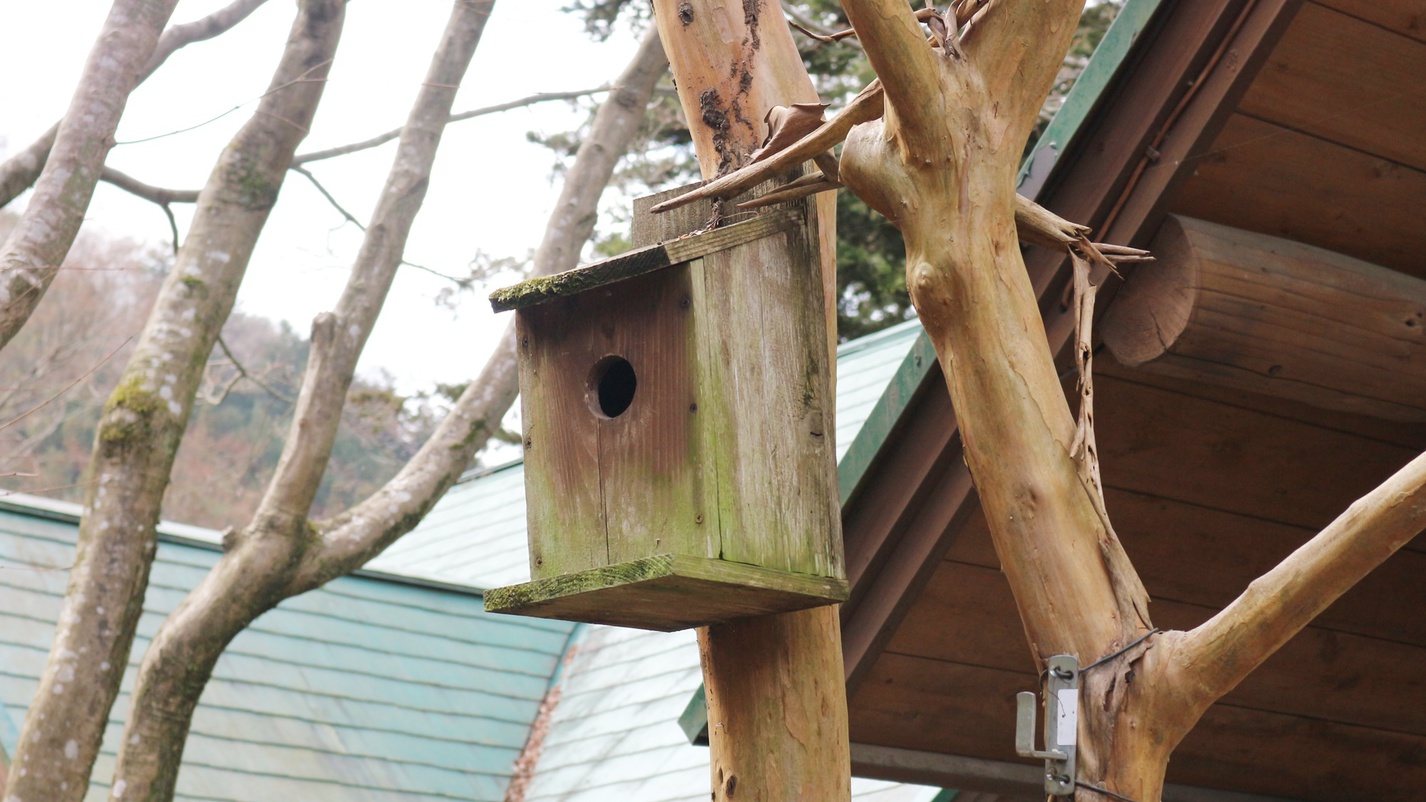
{"x":676,"y":403}
{"x":612,"y":384}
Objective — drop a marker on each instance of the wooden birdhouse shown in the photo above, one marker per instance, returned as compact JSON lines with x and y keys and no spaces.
{"x":678,"y":413}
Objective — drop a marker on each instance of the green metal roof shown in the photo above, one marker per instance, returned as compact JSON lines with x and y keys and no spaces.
{"x":365,"y":689}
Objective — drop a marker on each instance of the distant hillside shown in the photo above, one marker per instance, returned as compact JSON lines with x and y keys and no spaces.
{"x":56,"y":375}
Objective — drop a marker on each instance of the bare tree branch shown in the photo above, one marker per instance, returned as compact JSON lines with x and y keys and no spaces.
{"x":307,"y":174}
{"x":244,"y":373}
{"x":143,"y":423}
{"x":356,"y":536}
{"x":382,"y":139}
{"x":1278,"y":604}
{"x":20,"y":171}
{"x":148,"y":192}
{"x":897,"y":49}
{"x":180,"y":36}
{"x":67,"y":388}
{"x":338,"y":337}
{"x":45,"y":232}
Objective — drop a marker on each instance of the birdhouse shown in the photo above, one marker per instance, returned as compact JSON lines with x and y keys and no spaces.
{"x":678,"y":413}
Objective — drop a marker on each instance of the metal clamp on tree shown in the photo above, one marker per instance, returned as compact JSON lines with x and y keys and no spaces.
{"x":1061,"y":724}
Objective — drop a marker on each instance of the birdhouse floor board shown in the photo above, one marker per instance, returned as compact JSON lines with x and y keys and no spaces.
{"x":642,"y":261}
{"x":660,"y":592}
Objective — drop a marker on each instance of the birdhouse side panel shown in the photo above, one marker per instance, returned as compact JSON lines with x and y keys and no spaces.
{"x":763,"y":325}
{"x":564,"y":506}
{"x":651,"y":456}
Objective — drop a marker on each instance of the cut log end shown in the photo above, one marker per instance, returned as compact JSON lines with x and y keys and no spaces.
{"x":1258,"y":313}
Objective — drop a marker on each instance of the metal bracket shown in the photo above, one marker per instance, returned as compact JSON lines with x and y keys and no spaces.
{"x":1061,"y":724}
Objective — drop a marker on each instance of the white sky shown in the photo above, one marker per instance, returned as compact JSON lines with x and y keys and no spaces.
{"x":491,"y":190}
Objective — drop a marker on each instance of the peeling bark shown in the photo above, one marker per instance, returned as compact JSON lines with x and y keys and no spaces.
{"x":941,"y":165}
{"x":144,"y":420}
{"x":45,"y":232}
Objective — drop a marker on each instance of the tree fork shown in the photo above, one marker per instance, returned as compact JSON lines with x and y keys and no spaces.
{"x":777,"y":709}
{"x":144,"y":421}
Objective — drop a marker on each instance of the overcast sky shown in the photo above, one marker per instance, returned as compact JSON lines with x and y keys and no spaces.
{"x":491,"y":191}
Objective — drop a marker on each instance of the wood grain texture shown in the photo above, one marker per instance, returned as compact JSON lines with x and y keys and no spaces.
{"x":1269,"y":315}
{"x":1320,"y":675}
{"x":666,"y":592}
{"x":779,"y":739}
{"x":759,"y":323}
{"x":1205,"y":557}
{"x":640,"y":261}
{"x":653,"y":472}
{"x":1232,"y":459}
{"x":725,"y":450}
{"x":564,"y":505}
{"x":607,"y":490}
{"x":1347,"y":81}
{"x":909,"y":701}
{"x":1272,"y":180}
{"x":1405,"y":17}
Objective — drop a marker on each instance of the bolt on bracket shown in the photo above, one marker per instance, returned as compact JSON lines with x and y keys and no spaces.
{"x":1061,"y":724}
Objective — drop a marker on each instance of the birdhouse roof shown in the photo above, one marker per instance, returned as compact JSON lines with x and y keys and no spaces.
{"x":642,"y":261}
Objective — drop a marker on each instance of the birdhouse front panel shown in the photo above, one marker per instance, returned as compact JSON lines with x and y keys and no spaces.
{"x":613,"y":435}
{"x":678,"y":430}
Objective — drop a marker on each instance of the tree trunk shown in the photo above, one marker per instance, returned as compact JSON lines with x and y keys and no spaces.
{"x":941,"y":165}
{"x":144,"y":420}
{"x":18,"y":172}
{"x":777,"y":706}
{"x":42,"y":237}
{"x":280,"y":554}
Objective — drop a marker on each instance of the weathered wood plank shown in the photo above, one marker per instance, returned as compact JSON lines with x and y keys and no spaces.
{"x":1273,"y":180}
{"x":641,"y":261}
{"x":666,"y":592}
{"x":967,"y":615}
{"x":916,"y":703}
{"x":1228,"y":458}
{"x":563,"y":506}
{"x":1403,"y":16}
{"x":760,"y":319}
{"x":652,"y":477}
{"x":1348,"y":81}
{"x":1408,"y":435}
{"x":1273,"y":316}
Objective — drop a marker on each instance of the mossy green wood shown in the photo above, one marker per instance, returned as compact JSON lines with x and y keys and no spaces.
{"x":607,"y":489}
{"x":564,"y":508}
{"x":761,"y":325}
{"x":724,"y":454}
{"x":666,"y":592}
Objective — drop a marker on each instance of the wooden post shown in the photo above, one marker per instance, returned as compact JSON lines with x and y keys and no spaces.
{"x":777,"y":708}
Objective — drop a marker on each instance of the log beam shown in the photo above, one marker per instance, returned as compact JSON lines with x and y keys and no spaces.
{"x":1269,"y":315}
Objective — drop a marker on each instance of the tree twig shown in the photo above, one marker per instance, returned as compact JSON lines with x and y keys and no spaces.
{"x":246,"y":374}
{"x":67,"y":387}
{"x":20,"y":171}
{"x":305,"y":173}
{"x":159,"y":195}
{"x":382,"y":139}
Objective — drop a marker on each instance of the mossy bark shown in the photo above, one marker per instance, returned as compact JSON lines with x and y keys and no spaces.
{"x":144,"y":420}
{"x":68,"y":159}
